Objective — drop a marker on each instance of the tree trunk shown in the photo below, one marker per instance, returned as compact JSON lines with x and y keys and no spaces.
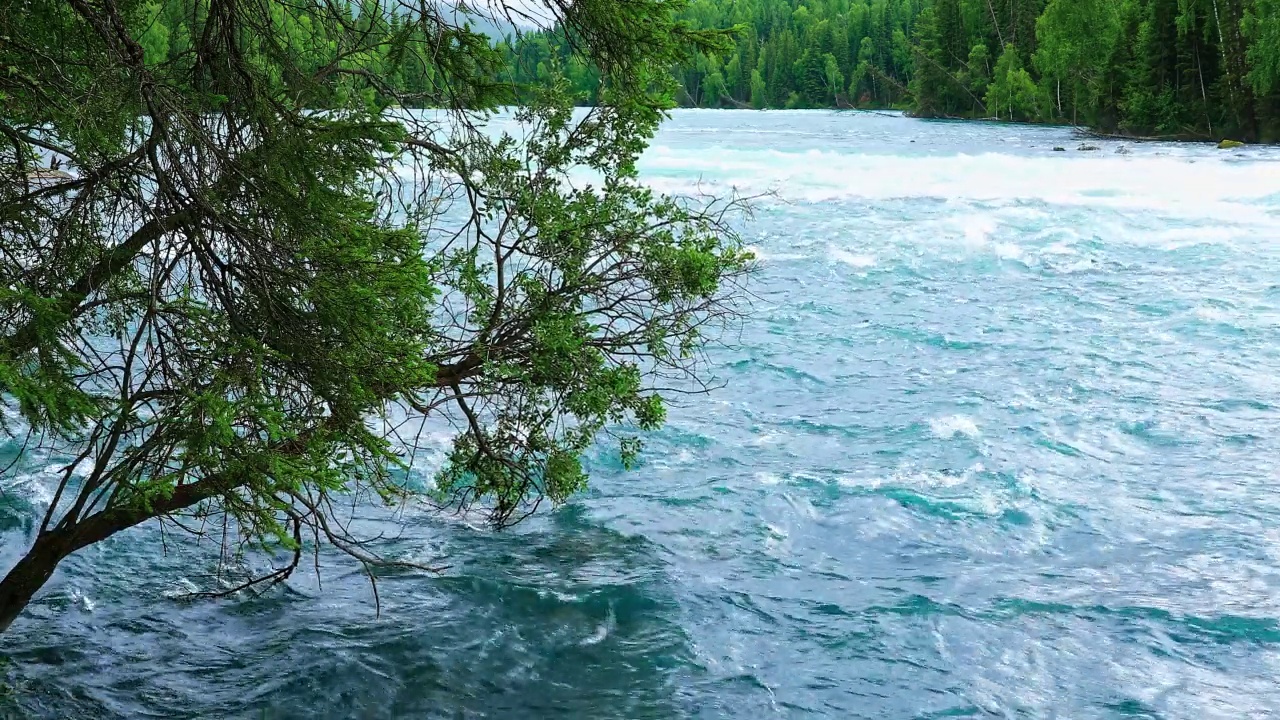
{"x":1204,"y":93}
{"x":29,"y":575}
{"x":52,"y":547}
{"x":996,"y":23}
{"x":1246,"y":109}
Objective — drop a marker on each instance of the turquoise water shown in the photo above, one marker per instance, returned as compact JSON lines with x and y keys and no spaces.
{"x":999,"y":440}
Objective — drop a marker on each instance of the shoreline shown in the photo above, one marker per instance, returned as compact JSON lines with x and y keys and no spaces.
{"x":1080,"y":130}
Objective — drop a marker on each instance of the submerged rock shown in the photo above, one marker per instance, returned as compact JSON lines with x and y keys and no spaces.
{"x":1124,"y":150}
{"x":1088,"y":148}
{"x":1228,"y":144}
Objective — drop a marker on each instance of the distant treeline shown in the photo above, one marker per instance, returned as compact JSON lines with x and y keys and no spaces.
{"x":1164,"y":68}
{"x":1167,"y":68}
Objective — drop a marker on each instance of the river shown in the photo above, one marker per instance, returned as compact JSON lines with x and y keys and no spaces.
{"x":999,"y":440}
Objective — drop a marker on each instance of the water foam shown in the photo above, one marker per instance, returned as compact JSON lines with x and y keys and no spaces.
{"x":845,"y":517}
{"x":951,"y":426}
{"x":602,"y":630}
{"x":769,"y":256}
{"x":854,"y":260}
{"x":1210,"y":188}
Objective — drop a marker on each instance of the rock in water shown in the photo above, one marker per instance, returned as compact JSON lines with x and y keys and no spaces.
{"x":1088,"y":148}
{"x":1059,"y":149}
{"x":1228,"y":144}
{"x":1124,"y":150}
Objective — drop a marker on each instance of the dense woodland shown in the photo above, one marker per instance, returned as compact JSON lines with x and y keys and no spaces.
{"x":1171,"y":68}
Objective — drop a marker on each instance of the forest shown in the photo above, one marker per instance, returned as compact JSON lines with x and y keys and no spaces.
{"x":1177,"y":69}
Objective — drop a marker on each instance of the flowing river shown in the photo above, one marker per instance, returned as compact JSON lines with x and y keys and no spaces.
{"x":999,"y":440}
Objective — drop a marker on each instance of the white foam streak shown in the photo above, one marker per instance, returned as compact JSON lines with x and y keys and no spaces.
{"x":1209,"y":186}
{"x":953,"y":425}
{"x":851,"y":259}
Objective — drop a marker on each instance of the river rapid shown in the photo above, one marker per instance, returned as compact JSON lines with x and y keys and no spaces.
{"x":1000,"y":439}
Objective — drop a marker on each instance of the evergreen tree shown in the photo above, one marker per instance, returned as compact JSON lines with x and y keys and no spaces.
{"x":1183,"y":68}
{"x":228,"y":309}
{"x":1262,"y":26}
{"x":1073,"y":38}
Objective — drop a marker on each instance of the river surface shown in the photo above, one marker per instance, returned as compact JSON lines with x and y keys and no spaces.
{"x":1000,"y":440}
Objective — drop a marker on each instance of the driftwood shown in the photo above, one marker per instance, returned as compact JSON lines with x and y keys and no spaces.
{"x":874,"y":112}
{"x":735,"y":103}
{"x":944,"y":116}
{"x":919,"y":52}
{"x":1086,"y":132}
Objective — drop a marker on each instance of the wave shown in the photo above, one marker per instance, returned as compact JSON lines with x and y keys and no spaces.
{"x":854,"y":260}
{"x":1208,"y":187}
{"x":953,"y":425}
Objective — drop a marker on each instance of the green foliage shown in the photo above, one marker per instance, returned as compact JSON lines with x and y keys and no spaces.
{"x":1012,"y":93}
{"x":1073,"y":41}
{"x":787,"y":53}
{"x":260,"y":269}
{"x":759,"y":92}
{"x":979,"y":68}
{"x":933,"y":86}
{"x":1262,"y":26}
{"x":1183,"y":68}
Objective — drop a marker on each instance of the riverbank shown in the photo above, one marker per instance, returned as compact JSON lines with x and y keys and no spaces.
{"x":1086,"y":132}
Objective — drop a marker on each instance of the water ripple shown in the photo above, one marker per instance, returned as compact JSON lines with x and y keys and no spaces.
{"x":1000,"y":441}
